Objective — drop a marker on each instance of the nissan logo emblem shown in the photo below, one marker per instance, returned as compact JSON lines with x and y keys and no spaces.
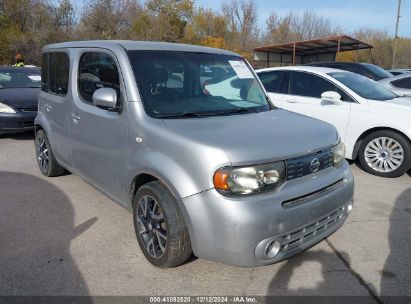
{"x":314,"y":165}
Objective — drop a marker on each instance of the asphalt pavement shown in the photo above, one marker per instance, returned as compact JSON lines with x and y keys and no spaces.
{"x":60,"y":236}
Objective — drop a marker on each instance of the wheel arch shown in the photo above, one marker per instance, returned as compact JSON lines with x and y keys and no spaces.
{"x":145,"y":177}
{"x":148,"y":176}
{"x":38,"y":127}
{"x":359,"y":140}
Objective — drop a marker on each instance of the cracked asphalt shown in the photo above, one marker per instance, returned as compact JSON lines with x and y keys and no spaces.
{"x":59,"y":236}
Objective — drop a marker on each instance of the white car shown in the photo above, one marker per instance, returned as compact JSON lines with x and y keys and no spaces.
{"x":373,"y":122}
{"x":400,"y":85}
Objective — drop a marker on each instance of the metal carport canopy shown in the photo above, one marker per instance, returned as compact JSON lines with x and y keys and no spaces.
{"x":331,"y":44}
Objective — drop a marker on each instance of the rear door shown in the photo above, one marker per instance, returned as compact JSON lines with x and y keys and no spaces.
{"x":99,"y":135}
{"x":55,"y":100}
{"x":304,"y":97}
{"x":274,"y":83}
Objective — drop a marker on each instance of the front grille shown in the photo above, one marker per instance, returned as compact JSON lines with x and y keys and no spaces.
{"x":27,"y":124}
{"x":29,"y":110}
{"x":313,"y":195}
{"x":300,"y":166}
{"x":304,"y":234}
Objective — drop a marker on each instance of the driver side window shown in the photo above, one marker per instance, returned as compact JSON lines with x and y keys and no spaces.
{"x":309,"y":85}
{"x":97,"y":70}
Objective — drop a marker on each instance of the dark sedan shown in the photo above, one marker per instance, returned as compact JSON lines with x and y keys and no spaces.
{"x":19,"y":88}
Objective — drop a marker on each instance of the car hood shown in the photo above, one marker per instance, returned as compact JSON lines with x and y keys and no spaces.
{"x":20,"y":98}
{"x":258,"y":137}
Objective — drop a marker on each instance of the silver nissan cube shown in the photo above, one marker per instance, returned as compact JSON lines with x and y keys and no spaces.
{"x":186,"y":138}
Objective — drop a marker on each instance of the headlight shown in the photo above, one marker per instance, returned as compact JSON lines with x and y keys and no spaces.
{"x":338,"y":154}
{"x":248,"y":180}
{"x":6,"y":109}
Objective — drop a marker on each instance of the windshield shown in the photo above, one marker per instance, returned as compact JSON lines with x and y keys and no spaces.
{"x":184,"y":84}
{"x":380,"y":72}
{"x":19,"y":79}
{"x":363,"y":86}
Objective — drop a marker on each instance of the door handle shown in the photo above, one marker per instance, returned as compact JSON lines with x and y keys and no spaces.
{"x":48,"y":107}
{"x":75,"y":117}
{"x":291,"y":101}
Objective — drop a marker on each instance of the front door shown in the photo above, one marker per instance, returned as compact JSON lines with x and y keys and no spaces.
{"x":98,"y":135}
{"x":304,"y":97}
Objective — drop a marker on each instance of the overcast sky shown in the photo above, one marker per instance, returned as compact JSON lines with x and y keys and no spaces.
{"x":350,"y":14}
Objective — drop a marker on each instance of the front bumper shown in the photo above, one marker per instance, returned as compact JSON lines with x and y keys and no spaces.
{"x":22,"y":120}
{"x":300,"y":213}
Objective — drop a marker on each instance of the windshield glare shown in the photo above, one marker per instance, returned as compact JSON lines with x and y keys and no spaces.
{"x":380,"y":72}
{"x":363,"y":86}
{"x":184,"y":84}
{"x":19,"y":79}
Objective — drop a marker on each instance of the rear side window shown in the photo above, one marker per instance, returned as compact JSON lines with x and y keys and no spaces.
{"x":97,"y":70}
{"x":55,"y":73}
{"x":44,"y":71}
{"x":271,"y":80}
{"x":403,"y":83}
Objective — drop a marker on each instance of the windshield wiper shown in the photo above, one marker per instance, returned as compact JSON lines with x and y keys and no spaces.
{"x":235,"y":111}
{"x":180,"y":115}
{"x":206,"y":114}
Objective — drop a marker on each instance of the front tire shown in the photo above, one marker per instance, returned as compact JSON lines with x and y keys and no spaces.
{"x":46,"y":161}
{"x":160,"y":227}
{"x":385,"y":153}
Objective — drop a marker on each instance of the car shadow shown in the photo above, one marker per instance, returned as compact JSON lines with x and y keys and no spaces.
{"x":282,"y":283}
{"x":36,"y":229}
{"x":396,"y":275}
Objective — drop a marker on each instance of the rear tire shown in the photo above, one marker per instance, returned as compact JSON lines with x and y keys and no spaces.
{"x":160,"y":227}
{"x":385,"y":153}
{"x":46,"y":161}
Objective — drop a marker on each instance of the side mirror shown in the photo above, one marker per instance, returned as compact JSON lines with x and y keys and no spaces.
{"x":331,"y":97}
{"x":105,"y":98}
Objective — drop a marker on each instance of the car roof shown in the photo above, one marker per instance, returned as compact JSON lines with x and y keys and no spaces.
{"x":304,"y":68}
{"x":139,"y":45}
{"x":401,"y":76}
{"x":334,"y":63}
{"x":400,"y":70}
{"x":10,"y":68}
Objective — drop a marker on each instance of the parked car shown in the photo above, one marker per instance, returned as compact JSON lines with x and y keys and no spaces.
{"x":400,"y":85}
{"x":374,"y":123}
{"x":397,"y":72}
{"x":369,"y":70}
{"x":232,"y":179}
{"x":19,"y":88}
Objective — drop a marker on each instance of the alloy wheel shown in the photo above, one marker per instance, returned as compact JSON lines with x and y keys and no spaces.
{"x":42,"y":153}
{"x":384,"y":154}
{"x":151,"y":226}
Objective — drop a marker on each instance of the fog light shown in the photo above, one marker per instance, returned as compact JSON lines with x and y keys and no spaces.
{"x":272,"y":249}
{"x":349,"y":208}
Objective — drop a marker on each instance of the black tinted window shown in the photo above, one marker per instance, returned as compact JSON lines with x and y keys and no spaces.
{"x":403,"y":83}
{"x":97,"y":70}
{"x":271,"y":80}
{"x":55,"y":71}
{"x":305,"y":84}
{"x":44,"y":72}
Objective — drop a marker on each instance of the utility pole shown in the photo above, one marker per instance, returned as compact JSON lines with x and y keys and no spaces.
{"x":394,"y":53}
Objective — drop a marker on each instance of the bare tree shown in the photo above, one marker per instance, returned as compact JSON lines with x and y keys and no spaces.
{"x":298,"y":27}
{"x":242,"y":20}
{"x":108,"y":19}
